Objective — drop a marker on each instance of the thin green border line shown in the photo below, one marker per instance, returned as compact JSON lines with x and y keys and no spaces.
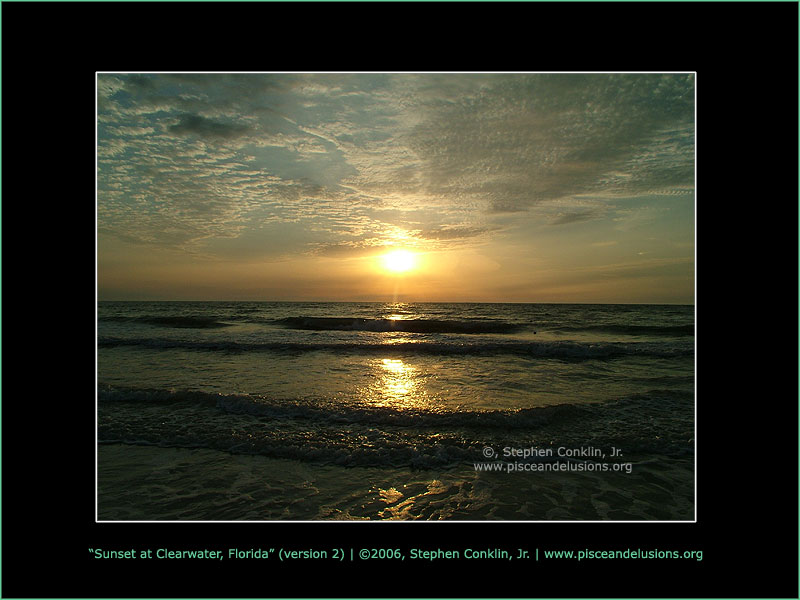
{"x":1,"y":295}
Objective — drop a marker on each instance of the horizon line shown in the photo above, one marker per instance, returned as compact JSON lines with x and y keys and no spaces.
{"x":405,"y":302}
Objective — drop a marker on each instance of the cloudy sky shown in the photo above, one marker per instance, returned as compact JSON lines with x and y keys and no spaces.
{"x":504,"y":187}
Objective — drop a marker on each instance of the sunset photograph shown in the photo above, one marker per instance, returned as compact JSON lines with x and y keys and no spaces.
{"x":395,"y":296}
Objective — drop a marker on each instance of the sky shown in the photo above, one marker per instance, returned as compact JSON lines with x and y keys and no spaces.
{"x":500,"y":187}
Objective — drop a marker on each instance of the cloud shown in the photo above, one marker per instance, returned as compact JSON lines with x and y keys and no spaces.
{"x":196,"y":125}
{"x":184,"y":158}
{"x":452,"y":233}
{"x":353,"y":250}
{"x":140,"y":81}
{"x":510,"y":142}
{"x":575,"y":217}
{"x":502,"y":207}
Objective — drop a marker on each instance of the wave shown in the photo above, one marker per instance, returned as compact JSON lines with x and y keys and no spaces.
{"x":329,"y":412}
{"x":356,"y":435}
{"x":180,"y":322}
{"x":399,"y":325}
{"x":553,"y":349}
{"x":654,"y":330}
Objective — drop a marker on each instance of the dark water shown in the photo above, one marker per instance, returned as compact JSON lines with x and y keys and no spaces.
{"x":371,"y":404}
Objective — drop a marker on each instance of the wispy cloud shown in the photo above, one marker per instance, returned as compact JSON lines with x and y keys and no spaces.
{"x":575,"y":217}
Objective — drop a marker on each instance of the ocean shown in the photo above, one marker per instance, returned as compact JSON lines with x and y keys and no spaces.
{"x":228,"y":411}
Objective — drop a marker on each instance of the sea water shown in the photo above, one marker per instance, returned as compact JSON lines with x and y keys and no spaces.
{"x":307,"y":411}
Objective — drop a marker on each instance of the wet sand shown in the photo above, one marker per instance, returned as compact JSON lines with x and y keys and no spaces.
{"x":148,"y":483}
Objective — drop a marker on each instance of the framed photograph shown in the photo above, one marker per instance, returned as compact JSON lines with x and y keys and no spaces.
{"x":421,"y":296}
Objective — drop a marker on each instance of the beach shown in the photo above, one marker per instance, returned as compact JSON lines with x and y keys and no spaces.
{"x":253,"y":411}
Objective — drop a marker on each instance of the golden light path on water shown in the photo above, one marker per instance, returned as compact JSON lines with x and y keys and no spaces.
{"x":399,"y":387}
{"x":395,"y":384}
{"x":398,"y":381}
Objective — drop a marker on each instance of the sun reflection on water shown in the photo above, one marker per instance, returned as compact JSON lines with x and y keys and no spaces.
{"x":397,"y":384}
{"x":395,"y":366}
{"x":398,"y":311}
{"x":398,"y":379}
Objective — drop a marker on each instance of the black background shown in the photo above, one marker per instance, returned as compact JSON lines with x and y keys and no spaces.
{"x":745,"y":56}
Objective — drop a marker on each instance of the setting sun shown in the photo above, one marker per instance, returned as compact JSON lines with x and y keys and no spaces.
{"x":399,"y":261}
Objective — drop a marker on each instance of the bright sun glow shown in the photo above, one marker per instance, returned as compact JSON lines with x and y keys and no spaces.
{"x":399,"y":260}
